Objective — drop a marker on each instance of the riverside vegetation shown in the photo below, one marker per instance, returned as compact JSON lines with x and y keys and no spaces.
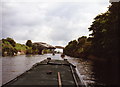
{"x":102,"y":46}
{"x":11,"y":48}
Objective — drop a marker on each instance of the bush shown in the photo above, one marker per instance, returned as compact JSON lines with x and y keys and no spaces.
{"x":8,"y":50}
{"x":21,"y":47}
{"x":29,"y":43}
{"x":29,"y":51}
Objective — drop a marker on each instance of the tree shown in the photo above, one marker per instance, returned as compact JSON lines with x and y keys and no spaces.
{"x":70,"y":48}
{"x":8,"y":49}
{"x":105,"y":44}
{"x":78,"y":48}
{"x":29,"y":43}
{"x":105,"y":32}
{"x":10,"y":40}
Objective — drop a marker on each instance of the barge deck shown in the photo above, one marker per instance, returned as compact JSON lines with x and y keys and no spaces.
{"x":49,"y":72}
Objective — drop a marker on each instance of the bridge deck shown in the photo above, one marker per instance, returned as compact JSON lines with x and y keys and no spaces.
{"x":46,"y":73}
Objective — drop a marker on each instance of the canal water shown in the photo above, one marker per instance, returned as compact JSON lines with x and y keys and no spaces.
{"x":14,"y":66}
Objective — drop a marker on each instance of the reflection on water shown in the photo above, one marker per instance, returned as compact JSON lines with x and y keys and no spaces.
{"x":85,"y":68}
{"x":14,"y":66}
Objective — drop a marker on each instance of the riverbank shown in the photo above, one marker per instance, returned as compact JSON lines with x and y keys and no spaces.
{"x":8,"y":47}
{"x":104,"y":71}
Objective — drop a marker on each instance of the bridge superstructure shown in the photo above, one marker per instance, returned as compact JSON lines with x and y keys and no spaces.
{"x":41,"y":46}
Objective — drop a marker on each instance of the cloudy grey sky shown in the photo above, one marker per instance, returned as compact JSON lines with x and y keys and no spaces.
{"x":55,"y":22}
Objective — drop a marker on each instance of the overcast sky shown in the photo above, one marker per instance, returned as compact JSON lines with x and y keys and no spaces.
{"x":56,"y":22}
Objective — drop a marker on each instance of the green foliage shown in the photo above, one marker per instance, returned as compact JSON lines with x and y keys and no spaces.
{"x":70,"y":48}
{"x":10,"y":40}
{"x":29,"y":51}
{"x":102,"y":46}
{"x":8,"y":49}
{"x":21,"y":47}
{"x":45,"y":51}
{"x":78,"y":48}
{"x":105,"y":36}
{"x":34,"y":47}
{"x":105,"y":45}
{"x":105,"y":32}
{"x":29,"y":43}
{"x":82,"y":40}
{"x":35,"y":51}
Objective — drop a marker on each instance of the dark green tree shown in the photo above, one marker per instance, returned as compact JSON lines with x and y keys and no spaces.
{"x":10,"y":40}
{"x":82,"y":39}
{"x":78,"y":48}
{"x":29,"y":43}
{"x":105,"y":44}
{"x":70,"y":48}
{"x":105,"y":32}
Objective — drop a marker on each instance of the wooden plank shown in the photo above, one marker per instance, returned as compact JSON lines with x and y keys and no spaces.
{"x":59,"y":80}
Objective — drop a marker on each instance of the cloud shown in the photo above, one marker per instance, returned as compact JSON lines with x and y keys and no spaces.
{"x":56,"y":23}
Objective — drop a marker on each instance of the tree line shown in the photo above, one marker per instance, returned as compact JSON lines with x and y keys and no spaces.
{"x":102,"y":46}
{"x":8,"y":47}
{"x":104,"y":39}
{"x":78,"y":48}
{"x":11,"y":48}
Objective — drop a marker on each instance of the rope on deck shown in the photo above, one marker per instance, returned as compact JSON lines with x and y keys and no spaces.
{"x":59,"y":80}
